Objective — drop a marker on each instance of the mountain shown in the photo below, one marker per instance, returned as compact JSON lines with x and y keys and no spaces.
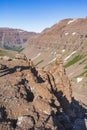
{"x":69,"y":34}
{"x":68,"y":38}
{"x":31,"y":98}
{"x":14,"y":38}
{"x":47,"y":90}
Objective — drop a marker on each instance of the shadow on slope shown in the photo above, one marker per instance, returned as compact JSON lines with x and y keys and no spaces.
{"x":7,"y":71}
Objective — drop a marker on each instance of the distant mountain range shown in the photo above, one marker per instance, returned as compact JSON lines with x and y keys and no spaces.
{"x":14,"y":39}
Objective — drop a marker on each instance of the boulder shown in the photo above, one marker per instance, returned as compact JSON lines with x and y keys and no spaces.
{"x":21,"y":56}
{"x":6,"y":58}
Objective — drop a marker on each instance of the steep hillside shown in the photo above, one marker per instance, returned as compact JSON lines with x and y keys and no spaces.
{"x":68,"y":34}
{"x":14,"y":38}
{"x":68,"y":37}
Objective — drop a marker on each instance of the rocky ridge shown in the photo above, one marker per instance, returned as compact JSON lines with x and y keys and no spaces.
{"x":33,"y":99}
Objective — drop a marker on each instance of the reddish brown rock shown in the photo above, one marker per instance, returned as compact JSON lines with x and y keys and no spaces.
{"x":61,"y":80}
{"x":31,"y":98}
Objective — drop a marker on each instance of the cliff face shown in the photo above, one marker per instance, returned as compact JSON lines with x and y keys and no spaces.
{"x":31,"y":98}
{"x":12,"y":38}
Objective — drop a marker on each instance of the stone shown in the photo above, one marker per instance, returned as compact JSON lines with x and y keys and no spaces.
{"x":6,"y":58}
{"x":21,"y":56}
{"x":25,"y":122}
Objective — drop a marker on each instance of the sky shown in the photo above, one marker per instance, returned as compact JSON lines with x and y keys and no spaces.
{"x":36,"y":15}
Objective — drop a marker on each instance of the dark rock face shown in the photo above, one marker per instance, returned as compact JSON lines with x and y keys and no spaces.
{"x":33,"y":99}
{"x":14,"y":37}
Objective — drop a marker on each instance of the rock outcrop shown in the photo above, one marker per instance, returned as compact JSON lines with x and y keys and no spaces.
{"x":31,"y":98}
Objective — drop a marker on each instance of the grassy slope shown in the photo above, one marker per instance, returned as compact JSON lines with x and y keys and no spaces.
{"x":18,"y":49}
{"x":74,"y":60}
{"x":4,"y":52}
{"x":80,"y":59}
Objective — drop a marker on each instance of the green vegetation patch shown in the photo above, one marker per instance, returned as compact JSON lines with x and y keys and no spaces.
{"x":85,"y":67}
{"x":74,"y":60}
{"x":39,"y":62}
{"x":14,"y":48}
{"x":4,"y":52}
{"x":83,"y":74}
{"x":73,"y":80}
{"x":82,"y":62}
